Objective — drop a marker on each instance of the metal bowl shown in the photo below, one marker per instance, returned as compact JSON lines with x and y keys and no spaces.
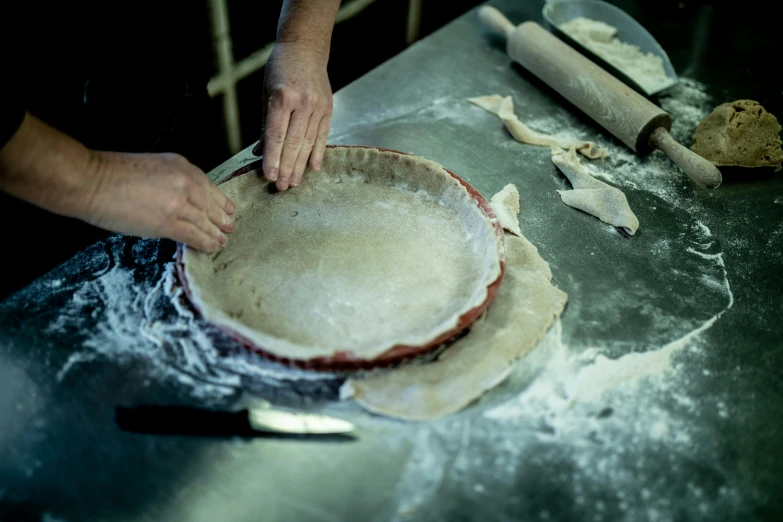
{"x":630,"y":31}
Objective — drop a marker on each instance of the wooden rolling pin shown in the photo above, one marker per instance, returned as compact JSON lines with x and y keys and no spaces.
{"x":633,"y":119}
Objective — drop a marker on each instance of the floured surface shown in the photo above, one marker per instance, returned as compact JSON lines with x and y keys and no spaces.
{"x":375,"y":250}
{"x":690,"y":439}
{"x":524,"y":308}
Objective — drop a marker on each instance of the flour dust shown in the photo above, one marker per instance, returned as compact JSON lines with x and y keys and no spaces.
{"x":605,"y":429}
{"x":125,"y":317}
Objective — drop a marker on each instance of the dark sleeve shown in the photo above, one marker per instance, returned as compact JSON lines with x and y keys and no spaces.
{"x":12,"y":109}
{"x":13,"y":102}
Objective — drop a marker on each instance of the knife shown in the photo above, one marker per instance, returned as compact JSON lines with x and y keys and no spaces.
{"x":260,"y":419}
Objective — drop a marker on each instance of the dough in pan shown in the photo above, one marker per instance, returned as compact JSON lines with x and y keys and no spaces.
{"x":375,"y":250}
{"x":524,"y":308}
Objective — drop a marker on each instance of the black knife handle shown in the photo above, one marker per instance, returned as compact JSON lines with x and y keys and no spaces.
{"x":181,"y":420}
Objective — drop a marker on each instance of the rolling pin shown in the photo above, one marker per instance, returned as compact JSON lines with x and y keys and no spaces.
{"x":633,"y":119}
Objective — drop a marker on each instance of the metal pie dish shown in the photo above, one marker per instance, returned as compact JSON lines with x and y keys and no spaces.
{"x":378,"y":258}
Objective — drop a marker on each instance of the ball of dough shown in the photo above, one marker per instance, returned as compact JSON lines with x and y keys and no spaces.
{"x":740,"y":133}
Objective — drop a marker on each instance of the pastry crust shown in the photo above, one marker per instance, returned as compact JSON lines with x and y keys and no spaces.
{"x":376,"y":250}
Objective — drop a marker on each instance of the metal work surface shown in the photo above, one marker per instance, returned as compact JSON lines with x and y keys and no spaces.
{"x":657,"y":396}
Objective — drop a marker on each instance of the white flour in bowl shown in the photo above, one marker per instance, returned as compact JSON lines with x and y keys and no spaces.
{"x":646,"y":69}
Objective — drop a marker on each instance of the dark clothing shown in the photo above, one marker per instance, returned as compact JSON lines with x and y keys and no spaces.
{"x":123,"y":76}
{"x":110,"y":74}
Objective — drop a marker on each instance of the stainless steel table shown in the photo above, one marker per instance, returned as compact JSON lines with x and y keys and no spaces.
{"x":657,"y":397}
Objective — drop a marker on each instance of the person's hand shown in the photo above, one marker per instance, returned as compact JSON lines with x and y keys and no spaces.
{"x":297,"y":101}
{"x":158,"y":195}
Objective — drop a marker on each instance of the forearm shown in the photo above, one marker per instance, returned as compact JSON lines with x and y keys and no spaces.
{"x":308,"y":22}
{"x":47,"y":168}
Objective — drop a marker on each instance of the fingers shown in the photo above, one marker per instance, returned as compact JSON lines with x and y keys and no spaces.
{"x":317,"y":156}
{"x":297,"y":130}
{"x":221,"y":200}
{"x":307,"y":147}
{"x":274,"y":137}
{"x":219,"y":208}
{"x":201,"y":220}
{"x":188,"y":233}
{"x":206,"y":197}
{"x":218,"y":217}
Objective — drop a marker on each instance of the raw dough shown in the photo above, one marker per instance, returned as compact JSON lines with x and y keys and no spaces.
{"x":740,"y":133}
{"x":374,"y":250}
{"x":595,"y":197}
{"x":526,"y":305}
{"x":603,"y":201}
{"x":646,"y":69}
{"x":505,"y":204}
{"x":504,"y":108}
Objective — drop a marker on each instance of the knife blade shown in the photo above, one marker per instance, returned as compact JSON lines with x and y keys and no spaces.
{"x":280,"y":421}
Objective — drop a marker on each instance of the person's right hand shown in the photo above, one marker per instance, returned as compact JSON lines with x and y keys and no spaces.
{"x":158,"y":195}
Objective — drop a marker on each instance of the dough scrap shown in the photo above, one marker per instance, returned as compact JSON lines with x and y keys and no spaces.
{"x":504,"y":109}
{"x":375,"y":250}
{"x":595,"y":197}
{"x":505,"y":204}
{"x":741,"y":133}
{"x":526,"y":305}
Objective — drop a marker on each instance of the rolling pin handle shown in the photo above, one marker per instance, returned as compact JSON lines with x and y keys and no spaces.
{"x":701,"y":171}
{"x":495,"y":21}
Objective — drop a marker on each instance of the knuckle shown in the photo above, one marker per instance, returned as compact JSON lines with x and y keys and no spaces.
{"x":197,"y":192}
{"x":180,"y":181}
{"x":175,"y":204}
{"x":293,"y":144}
{"x":274,"y":136}
{"x":285,"y":97}
{"x":285,"y":170}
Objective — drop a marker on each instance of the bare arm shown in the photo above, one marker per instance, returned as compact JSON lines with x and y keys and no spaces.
{"x":297,"y":95}
{"x":141,"y":194}
{"x":308,"y":22}
{"x":47,"y":168}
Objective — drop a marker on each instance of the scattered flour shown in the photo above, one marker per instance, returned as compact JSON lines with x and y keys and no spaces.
{"x":132,"y":318}
{"x":588,"y":374}
{"x":616,"y":438}
{"x":595,"y":421}
{"x":646,"y":69}
{"x":614,"y":433}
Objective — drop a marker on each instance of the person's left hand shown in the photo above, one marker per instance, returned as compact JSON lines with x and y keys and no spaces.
{"x":297,"y":102}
